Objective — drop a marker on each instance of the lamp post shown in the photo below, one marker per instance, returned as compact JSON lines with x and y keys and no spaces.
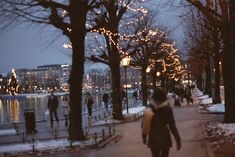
{"x":125,"y":62}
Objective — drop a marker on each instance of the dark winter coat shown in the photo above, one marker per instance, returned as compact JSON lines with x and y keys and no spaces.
{"x":105,"y":97}
{"x":52,"y":103}
{"x":89,"y":100}
{"x":162,"y":123}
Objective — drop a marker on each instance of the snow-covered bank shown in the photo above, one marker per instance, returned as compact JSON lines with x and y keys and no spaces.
{"x":205,"y":103}
{"x":134,"y":110}
{"x":43,"y":145}
{"x":6,"y":132}
{"x":32,"y":95}
{"x":133,"y":113}
{"x":216,"y":108}
{"x":220,"y":134}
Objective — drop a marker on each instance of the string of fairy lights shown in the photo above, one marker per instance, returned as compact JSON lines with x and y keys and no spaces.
{"x":170,"y":60}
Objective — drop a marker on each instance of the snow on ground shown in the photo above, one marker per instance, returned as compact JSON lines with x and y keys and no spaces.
{"x":6,"y":132}
{"x":229,"y":129}
{"x":220,"y":134}
{"x":134,"y":110}
{"x":216,"y":108}
{"x":203,"y":97}
{"x":106,"y":122}
{"x":198,"y":94}
{"x":211,"y":108}
{"x":205,"y":101}
{"x":40,"y":145}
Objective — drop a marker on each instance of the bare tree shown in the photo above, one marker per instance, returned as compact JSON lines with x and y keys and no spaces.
{"x":109,"y":22}
{"x":207,"y":36}
{"x":224,"y":19}
{"x":153,"y":52}
{"x":145,"y":46}
{"x":70,"y":18}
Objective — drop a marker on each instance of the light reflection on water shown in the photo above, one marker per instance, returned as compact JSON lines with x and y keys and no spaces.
{"x":13,"y":110}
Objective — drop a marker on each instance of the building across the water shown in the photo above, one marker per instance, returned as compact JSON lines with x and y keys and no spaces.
{"x":56,"y":76}
{"x":44,"y":77}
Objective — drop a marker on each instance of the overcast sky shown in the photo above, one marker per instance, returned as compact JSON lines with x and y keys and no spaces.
{"x":31,"y":47}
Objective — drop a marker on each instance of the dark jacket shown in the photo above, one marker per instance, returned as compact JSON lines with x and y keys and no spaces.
{"x":52,"y":103}
{"x":89,"y":100}
{"x":162,"y":123}
{"x":105,"y":97}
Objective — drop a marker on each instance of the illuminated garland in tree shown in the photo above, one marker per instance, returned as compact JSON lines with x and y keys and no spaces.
{"x":169,"y":60}
{"x":172,"y":66}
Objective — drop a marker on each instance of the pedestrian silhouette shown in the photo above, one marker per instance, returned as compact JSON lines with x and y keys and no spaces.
{"x":177,"y":101}
{"x":65,"y":107}
{"x":89,"y":102}
{"x":106,"y":100}
{"x":52,"y":106}
{"x":158,"y":115}
{"x":135,"y":96}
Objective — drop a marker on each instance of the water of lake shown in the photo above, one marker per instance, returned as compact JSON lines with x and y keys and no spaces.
{"x":13,"y":110}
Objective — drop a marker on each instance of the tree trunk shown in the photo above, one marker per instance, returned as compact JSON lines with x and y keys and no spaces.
{"x":208,"y":76}
{"x":117,"y":103}
{"x":163,"y":81}
{"x":228,"y":63}
{"x":199,"y":82}
{"x":77,"y":39}
{"x":217,"y":81}
{"x":144,"y":86}
{"x":76,"y":80}
{"x":154,"y":79}
{"x":167,"y":85}
{"x":217,"y":58}
{"x":229,"y":83}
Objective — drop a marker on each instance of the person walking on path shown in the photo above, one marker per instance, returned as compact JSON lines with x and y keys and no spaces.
{"x":89,"y":102}
{"x":65,"y":108}
{"x":106,"y":100}
{"x":135,"y":96}
{"x":124,"y":94}
{"x":188,"y":96}
{"x":52,"y":106}
{"x":177,"y":101}
{"x":157,"y":117}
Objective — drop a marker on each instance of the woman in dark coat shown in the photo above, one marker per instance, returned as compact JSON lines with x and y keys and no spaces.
{"x":157,"y":123}
{"x":89,"y":102}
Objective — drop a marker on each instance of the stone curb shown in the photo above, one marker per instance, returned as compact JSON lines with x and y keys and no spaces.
{"x":208,"y":147}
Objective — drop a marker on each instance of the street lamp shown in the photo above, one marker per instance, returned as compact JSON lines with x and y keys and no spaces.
{"x":158,"y":74}
{"x":148,"y":70}
{"x":125,"y":62}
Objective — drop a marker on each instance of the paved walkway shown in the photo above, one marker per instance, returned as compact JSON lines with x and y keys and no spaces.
{"x":188,"y":122}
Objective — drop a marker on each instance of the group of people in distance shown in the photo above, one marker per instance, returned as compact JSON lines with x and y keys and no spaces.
{"x":158,"y":120}
{"x":53,"y":106}
{"x":181,"y":93}
{"x":137,"y":95}
{"x":89,"y":102}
